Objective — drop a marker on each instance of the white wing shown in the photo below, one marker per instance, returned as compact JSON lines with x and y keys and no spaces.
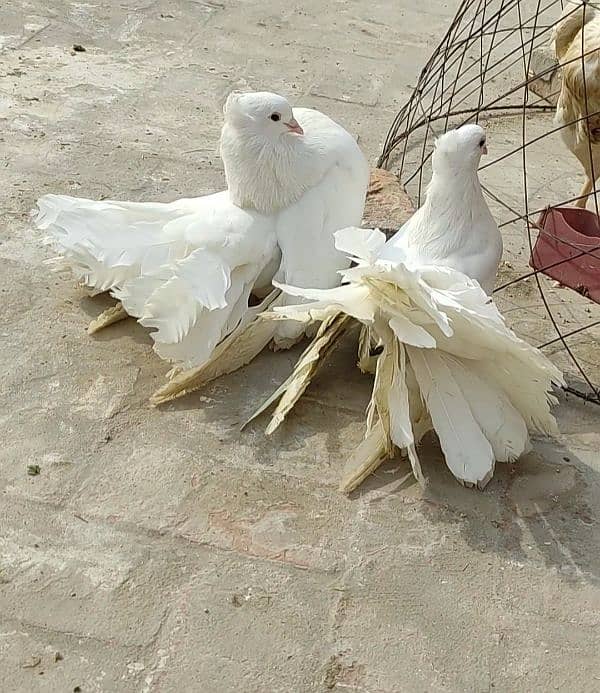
{"x":107,"y":242}
{"x":206,"y":293}
{"x":185,"y":268}
{"x":240,"y":346}
{"x":207,"y":327}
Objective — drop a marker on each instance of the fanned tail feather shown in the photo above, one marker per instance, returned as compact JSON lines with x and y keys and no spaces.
{"x":108,"y":317}
{"x":389,"y":415}
{"x":290,"y":391}
{"x":467,"y":451}
{"x":240,"y":347}
{"x":365,"y":459}
{"x":401,"y":425}
{"x":498,"y":419}
{"x":367,"y":362}
{"x":449,"y":363}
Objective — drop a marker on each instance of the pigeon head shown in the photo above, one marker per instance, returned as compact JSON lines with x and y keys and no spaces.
{"x":269,"y":162}
{"x":261,"y":114}
{"x":460,"y":150}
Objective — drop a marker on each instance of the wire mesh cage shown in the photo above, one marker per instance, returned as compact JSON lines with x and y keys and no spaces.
{"x":497,"y":64}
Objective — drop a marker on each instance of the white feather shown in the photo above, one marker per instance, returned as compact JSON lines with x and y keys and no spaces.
{"x":498,"y":419}
{"x":371,"y":452}
{"x":409,"y":333}
{"x":354,"y":300}
{"x":108,"y":242}
{"x":467,"y":451}
{"x":360,"y":244}
{"x":401,"y":430}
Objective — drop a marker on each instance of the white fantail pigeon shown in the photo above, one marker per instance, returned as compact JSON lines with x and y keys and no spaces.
{"x":319,"y":183}
{"x":448,"y":362}
{"x":187,"y":268}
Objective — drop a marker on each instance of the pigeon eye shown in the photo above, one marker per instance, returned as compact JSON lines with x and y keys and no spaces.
{"x":275,"y":117}
{"x":482,"y":143}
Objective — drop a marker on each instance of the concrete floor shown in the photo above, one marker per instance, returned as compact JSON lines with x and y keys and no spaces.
{"x":162,"y":550}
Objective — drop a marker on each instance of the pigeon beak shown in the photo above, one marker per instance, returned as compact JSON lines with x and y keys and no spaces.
{"x":484,"y":150}
{"x":294,"y":126}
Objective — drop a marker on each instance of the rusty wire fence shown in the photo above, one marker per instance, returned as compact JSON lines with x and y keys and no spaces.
{"x":496,"y":65}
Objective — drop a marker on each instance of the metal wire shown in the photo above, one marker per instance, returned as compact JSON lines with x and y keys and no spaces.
{"x":482,"y":69}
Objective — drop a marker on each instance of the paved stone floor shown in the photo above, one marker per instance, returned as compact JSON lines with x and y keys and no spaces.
{"x":163,"y":550}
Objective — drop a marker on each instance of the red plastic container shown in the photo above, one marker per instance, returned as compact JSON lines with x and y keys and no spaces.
{"x":566,"y":237}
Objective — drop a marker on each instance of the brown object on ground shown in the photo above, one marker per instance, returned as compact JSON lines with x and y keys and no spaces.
{"x":388,"y":206}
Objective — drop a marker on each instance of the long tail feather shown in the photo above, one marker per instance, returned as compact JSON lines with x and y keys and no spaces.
{"x":365,"y":459}
{"x":108,"y":317}
{"x":310,"y":365}
{"x":240,"y":347}
{"x":367,"y":362}
{"x":290,"y":391}
{"x":401,"y":429}
{"x":498,"y":419}
{"x":467,"y":451}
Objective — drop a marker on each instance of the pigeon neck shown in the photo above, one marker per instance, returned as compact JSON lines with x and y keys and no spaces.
{"x":452,"y":190}
{"x":262,"y":174}
{"x":452,"y":201}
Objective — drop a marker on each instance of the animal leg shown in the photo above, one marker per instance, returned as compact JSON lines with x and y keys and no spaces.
{"x":585,"y":191}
